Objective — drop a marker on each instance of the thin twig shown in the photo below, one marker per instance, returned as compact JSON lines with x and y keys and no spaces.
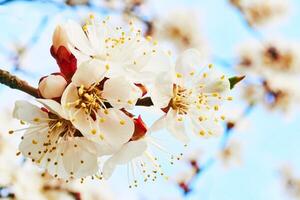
{"x":16,"y":83}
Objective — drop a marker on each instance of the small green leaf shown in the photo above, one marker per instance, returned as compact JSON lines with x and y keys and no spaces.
{"x":234,"y":80}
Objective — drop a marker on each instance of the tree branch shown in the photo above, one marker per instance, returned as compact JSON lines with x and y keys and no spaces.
{"x":16,"y":83}
{"x":144,"y":102}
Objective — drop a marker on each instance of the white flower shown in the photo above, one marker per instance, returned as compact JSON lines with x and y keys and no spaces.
{"x":52,"y":86}
{"x":180,"y":29}
{"x":276,"y":61}
{"x":276,"y":66}
{"x":231,"y":155}
{"x":259,"y":13}
{"x":190,"y":95}
{"x":86,"y":101}
{"x":137,"y":155}
{"x":121,"y":51}
{"x":54,"y":143}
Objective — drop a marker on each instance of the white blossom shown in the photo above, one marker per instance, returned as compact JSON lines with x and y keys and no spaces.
{"x":190,"y":95}
{"x":85,"y":101}
{"x":53,"y":143}
{"x":122,"y":51}
{"x":180,"y":29}
{"x":140,"y":157}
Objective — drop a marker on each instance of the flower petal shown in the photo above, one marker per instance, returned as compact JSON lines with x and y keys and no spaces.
{"x":70,"y":95}
{"x":214,"y":82}
{"x":77,"y":37}
{"x":77,"y":160}
{"x":205,"y":123}
{"x":89,"y":72}
{"x":116,"y":126}
{"x":158,"y":124}
{"x":188,"y":62}
{"x":28,"y":112}
{"x":32,"y":144}
{"x":128,"y":152}
{"x":54,"y":107}
{"x":121,"y":93}
{"x":162,"y":90}
{"x":175,"y":124}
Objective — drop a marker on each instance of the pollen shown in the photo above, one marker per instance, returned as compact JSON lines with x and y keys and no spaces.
{"x":210,"y":66}
{"x":192,"y":73}
{"x":101,"y":120}
{"x":107,"y":66}
{"x":130,"y":102}
{"x":36,"y":119}
{"x":22,"y":122}
{"x":149,"y":38}
{"x":92,"y":16}
{"x":10,"y":132}
{"x":101,"y":136}
{"x":93,"y":131}
{"x":229,"y":98}
{"x":202,"y":133}
{"x":178,"y":75}
{"x":180,"y":119}
{"x":122,"y":122}
{"x":216,"y":107}
{"x":34,"y":142}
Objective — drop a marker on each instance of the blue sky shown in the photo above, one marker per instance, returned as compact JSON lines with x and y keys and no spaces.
{"x":270,"y":142}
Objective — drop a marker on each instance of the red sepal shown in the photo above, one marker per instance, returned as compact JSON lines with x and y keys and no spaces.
{"x":142,"y":88}
{"x":140,"y":129}
{"x":65,"y":60}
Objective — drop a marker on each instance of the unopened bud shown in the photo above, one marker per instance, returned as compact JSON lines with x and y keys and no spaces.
{"x":52,"y":86}
{"x":59,"y":38}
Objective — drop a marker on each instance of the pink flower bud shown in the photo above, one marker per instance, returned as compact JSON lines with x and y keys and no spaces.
{"x":59,"y":38}
{"x":52,"y":86}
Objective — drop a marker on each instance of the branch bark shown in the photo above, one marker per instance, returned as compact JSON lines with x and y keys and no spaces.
{"x":16,"y":83}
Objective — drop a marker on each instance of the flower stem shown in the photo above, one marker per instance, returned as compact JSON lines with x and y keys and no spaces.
{"x":16,"y":83}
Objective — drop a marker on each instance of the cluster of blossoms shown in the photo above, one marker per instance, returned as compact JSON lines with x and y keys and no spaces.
{"x":277,"y":67}
{"x":22,"y":180}
{"x":180,"y":29}
{"x":85,"y":125}
{"x":258,"y":13}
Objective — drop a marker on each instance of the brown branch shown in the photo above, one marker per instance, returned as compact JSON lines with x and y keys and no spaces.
{"x":16,"y":83}
{"x":144,"y":102}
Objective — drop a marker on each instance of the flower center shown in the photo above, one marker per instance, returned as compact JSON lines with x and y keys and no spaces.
{"x":90,"y":99}
{"x":180,"y":101}
{"x":62,"y":126}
